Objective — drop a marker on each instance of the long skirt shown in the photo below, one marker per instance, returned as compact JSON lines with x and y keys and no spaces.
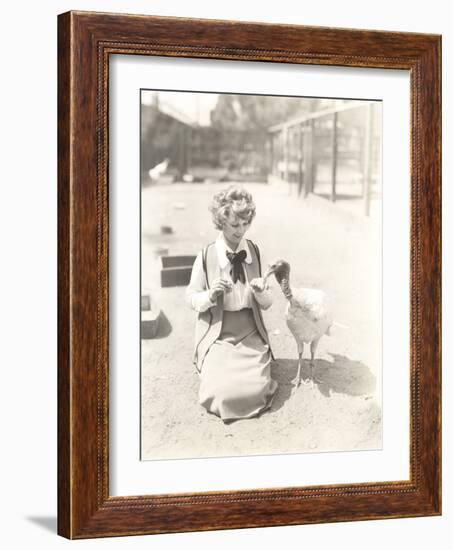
{"x":235,"y":379}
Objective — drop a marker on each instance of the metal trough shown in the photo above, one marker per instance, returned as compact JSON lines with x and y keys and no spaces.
{"x":175,"y":270}
{"x":150,"y":318}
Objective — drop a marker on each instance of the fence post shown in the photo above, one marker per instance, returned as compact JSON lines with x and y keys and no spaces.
{"x":367,"y":165}
{"x":334,"y":156}
{"x":301,"y":158}
{"x":286,"y":157}
{"x":309,"y":146}
{"x":270,"y":139}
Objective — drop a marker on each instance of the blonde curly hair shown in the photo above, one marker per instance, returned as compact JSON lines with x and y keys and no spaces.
{"x":234,"y":200}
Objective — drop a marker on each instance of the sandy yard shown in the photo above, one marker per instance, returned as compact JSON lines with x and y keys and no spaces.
{"x":329,"y":247}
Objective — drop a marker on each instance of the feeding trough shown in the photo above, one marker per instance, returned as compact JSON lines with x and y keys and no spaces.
{"x":175,"y":270}
{"x":150,"y":318}
{"x":166,"y":230}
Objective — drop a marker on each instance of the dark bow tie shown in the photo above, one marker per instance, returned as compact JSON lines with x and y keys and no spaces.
{"x":237,"y":270}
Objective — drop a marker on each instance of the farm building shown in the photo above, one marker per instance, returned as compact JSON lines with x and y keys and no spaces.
{"x":332,"y":151}
{"x":327,"y":147}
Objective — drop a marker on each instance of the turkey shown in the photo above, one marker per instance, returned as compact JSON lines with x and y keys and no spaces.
{"x":308,"y":315}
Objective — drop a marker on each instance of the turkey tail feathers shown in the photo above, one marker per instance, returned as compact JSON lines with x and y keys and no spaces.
{"x":340,"y":325}
{"x":335,"y":324}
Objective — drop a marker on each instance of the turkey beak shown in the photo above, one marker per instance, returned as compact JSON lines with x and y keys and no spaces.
{"x":269,"y":272}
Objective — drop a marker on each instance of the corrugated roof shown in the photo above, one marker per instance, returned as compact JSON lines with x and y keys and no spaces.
{"x":172,"y":111}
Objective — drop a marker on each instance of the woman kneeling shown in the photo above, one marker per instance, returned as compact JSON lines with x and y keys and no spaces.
{"x":232,"y":349}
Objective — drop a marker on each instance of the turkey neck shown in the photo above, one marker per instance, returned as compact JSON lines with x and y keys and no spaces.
{"x":286,"y":289}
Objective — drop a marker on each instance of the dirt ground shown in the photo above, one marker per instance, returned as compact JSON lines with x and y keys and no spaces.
{"x":329,"y":247}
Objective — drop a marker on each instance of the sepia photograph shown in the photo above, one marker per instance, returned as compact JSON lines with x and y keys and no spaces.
{"x":261,"y":274}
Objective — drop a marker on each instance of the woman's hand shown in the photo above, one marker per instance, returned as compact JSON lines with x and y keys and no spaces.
{"x":218,"y":287}
{"x":257,"y":284}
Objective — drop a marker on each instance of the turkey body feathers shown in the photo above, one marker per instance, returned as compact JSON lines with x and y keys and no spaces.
{"x":308,"y":314}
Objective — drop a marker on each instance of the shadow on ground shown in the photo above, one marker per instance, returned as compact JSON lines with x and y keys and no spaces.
{"x":283,"y":371}
{"x":340,"y":196}
{"x":165,"y":327}
{"x":343,"y":375}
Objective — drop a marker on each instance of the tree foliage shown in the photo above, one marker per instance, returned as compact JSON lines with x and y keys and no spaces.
{"x":252,"y":113}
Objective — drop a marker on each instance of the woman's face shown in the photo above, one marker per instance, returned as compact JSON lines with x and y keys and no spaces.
{"x":234,"y":229}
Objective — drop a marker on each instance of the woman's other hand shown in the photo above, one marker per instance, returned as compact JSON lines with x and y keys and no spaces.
{"x":257,"y":284}
{"x":218,"y":287}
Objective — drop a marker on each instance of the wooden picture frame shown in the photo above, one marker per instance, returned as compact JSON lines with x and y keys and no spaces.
{"x":85,"y":42}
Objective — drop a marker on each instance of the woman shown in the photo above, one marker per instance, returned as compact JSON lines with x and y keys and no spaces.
{"x":232,"y":350}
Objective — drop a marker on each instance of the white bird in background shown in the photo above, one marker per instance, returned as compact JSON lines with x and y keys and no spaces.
{"x":308,"y":314}
{"x":159,"y":169}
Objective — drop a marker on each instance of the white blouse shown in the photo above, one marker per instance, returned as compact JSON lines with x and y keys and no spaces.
{"x":241,"y":294}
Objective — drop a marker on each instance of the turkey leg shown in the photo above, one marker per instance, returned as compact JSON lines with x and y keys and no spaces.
{"x":298,"y":380}
{"x":313,"y":347}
